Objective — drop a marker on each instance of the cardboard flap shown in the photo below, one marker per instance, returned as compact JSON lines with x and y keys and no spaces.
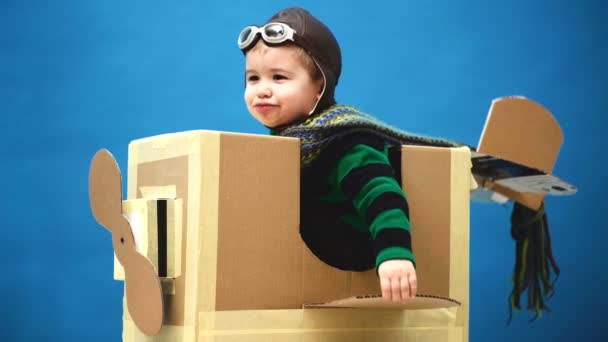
{"x":377,"y":302}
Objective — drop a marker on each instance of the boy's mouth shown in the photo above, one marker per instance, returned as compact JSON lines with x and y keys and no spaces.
{"x":264,"y":107}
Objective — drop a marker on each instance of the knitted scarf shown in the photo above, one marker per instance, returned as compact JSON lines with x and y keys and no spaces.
{"x":319,"y":131}
{"x":534,"y":261}
{"x":535,"y":267}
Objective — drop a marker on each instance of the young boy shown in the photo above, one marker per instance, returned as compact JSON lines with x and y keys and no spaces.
{"x":354,"y":214}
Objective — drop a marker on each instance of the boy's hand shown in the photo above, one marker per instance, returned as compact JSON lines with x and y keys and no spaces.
{"x":397,"y":280}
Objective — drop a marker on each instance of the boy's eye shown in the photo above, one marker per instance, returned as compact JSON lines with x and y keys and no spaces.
{"x":252,"y":78}
{"x":278,"y":77}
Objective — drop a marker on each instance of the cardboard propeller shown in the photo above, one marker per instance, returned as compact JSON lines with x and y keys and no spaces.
{"x":143,"y":289}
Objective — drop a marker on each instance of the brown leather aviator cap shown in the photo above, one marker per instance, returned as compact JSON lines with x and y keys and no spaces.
{"x":316,"y":38}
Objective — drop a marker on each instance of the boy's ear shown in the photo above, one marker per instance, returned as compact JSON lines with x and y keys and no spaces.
{"x":320,"y":85}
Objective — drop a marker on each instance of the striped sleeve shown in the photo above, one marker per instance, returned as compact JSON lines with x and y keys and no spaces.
{"x":366,"y":177}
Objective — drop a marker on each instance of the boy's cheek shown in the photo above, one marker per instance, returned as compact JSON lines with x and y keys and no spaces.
{"x":247,"y":95}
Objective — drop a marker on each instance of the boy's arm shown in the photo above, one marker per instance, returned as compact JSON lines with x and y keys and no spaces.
{"x":366,"y":177}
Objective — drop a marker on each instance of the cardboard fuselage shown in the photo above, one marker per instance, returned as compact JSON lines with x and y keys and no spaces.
{"x":245,"y":273}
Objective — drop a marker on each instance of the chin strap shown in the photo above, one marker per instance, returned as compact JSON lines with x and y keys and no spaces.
{"x":534,"y":261}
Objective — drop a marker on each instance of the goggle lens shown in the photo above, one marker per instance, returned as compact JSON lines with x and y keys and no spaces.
{"x":274,"y":31}
{"x":271,"y":33}
{"x":244,"y":36}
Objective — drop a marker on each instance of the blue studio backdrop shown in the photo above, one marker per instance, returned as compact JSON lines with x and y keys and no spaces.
{"x":76,"y":76}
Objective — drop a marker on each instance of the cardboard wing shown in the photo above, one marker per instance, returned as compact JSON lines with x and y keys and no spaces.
{"x":517,"y":152}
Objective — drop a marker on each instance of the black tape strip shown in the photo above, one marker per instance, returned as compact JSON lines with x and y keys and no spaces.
{"x":387,"y":201}
{"x":161,"y":219}
{"x":357,"y":178}
{"x":392,"y":237}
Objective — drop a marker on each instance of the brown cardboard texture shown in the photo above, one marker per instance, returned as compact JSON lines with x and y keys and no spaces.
{"x":520,"y":130}
{"x":241,"y":249}
{"x":141,"y":282}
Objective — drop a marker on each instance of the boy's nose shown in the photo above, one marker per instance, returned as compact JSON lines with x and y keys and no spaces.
{"x":264,"y":90}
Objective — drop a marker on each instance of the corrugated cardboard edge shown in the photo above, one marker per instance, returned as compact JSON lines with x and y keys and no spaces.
{"x":374,"y":302}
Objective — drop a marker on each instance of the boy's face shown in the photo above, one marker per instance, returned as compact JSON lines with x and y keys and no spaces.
{"x":279,"y":90}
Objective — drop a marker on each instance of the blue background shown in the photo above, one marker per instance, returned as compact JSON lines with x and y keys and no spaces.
{"x":76,"y":76}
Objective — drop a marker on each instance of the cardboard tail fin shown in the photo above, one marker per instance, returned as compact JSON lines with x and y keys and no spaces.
{"x":522,"y":131}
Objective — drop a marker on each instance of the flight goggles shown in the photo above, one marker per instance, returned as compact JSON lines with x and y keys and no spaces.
{"x":273,"y":33}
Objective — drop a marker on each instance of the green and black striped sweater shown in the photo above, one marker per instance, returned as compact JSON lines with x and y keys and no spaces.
{"x":354,"y":214}
{"x":362,"y":191}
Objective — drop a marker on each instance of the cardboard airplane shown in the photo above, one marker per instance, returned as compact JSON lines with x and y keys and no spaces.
{"x":515,"y":157}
